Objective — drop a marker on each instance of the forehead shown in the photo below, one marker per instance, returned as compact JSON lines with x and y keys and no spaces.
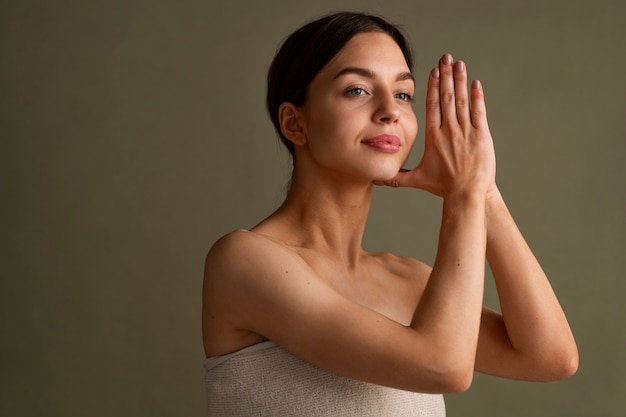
{"x":369,"y":50}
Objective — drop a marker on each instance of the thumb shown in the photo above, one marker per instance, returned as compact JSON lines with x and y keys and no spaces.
{"x":405,"y":178}
{"x":413,"y":178}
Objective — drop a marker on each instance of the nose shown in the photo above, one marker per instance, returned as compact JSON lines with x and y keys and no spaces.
{"x":387,"y":111}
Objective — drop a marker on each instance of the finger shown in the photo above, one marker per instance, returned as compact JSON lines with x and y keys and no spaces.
{"x":446,"y":90}
{"x":433,"y":106}
{"x":479,"y":109}
{"x":461,"y":98}
{"x":403,"y":179}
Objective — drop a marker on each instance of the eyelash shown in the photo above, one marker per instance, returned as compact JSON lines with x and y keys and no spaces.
{"x":408,"y":98}
{"x":358,"y":91}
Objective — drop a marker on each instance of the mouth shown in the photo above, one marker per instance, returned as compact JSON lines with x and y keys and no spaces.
{"x":384,"y":143}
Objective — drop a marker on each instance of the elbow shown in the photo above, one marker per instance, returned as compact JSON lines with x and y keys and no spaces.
{"x":562,"y":365}
{"x":566,"y":361}
{"x":454,"y":380}
{"x":458,"y":382}
{"x":440,"y":379}
{"x":567,"y":366}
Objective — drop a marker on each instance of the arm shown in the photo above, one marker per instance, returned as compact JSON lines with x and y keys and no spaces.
{"x":256,"y":286}
{"x":448,"y":314}
{"x":531,"y":339}
{"x":458,"y":164}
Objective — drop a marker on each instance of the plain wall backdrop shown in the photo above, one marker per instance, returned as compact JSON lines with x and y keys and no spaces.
{"x":133,"y":134}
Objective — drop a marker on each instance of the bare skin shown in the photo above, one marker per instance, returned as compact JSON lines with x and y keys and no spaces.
{"x":302,"y":279}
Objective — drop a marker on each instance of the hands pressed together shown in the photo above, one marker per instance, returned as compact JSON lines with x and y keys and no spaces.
{"x":458,"y":152}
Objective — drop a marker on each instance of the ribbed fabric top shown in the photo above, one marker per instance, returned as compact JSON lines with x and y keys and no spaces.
{"x":265,"y":380}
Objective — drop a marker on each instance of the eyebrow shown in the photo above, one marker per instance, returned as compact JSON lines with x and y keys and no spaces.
{"x":371,"y":74}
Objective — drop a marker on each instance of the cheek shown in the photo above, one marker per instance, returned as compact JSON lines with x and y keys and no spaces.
{"x":411,"y":129}
{"x":328,"y":126}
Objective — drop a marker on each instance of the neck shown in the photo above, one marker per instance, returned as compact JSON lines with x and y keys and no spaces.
{"x":328,"y":216}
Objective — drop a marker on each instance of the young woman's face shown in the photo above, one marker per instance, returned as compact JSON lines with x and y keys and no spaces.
{"x":358,"y":117}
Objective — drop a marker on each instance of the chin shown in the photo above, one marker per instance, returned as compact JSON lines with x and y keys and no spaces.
{"x":389,"y":172}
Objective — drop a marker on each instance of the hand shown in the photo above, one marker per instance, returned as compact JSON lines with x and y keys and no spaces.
{"x":458,"y":150}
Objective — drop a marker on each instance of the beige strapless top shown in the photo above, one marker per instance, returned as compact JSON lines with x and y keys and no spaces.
{"x":265,"y":380}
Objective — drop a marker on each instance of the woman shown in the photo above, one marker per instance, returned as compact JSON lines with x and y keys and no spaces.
{"x":299,"y":320}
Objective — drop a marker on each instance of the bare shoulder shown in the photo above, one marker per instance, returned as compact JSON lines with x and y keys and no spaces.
{"x":238,"y":250}
{"x":231,"y":242}
{"x":222,"y":261}
{"x":240,"y":258}
{"x":242,"y":270}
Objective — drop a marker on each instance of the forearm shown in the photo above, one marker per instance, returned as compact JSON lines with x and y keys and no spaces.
{"x":535,"y":323}
{"x":449,"y":311}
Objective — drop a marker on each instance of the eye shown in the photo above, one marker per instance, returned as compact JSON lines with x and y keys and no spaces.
{"x":357,"y":91}
{"x":404,"y":97}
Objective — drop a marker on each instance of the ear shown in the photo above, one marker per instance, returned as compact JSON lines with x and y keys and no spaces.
{"x":291,"y":126}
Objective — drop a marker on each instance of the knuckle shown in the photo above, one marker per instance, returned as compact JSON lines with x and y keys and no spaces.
{"x":447,"y":97}
{"x":452,"y":131}
{"x":432,"y":104}
{"x":478,"y":116}
{"x":481,"y":115}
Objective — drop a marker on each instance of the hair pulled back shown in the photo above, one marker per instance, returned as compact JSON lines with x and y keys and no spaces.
{"x":306,"y":51}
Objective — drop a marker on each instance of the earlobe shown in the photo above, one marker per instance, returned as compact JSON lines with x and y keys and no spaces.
{"x":290,"y":124}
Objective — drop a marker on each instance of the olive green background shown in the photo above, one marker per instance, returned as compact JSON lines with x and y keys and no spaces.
{"x":133,"y":134}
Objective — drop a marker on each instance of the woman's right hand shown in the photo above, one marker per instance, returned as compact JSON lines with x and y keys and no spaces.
{"x":458,"y":151}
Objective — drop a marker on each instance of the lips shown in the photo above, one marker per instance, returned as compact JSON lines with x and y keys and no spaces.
{"x":383,"y":143}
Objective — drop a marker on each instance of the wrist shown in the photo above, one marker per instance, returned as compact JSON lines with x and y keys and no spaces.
{"x":494,"y":202}
{"x":493,"y":193}
{"x":466,"y":195}
{"x":464,"y":200}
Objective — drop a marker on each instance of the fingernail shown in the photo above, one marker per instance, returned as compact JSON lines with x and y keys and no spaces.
{"x":434,"y":72}
{"x":447,"y":59}
{"x":459,"y":66}
{"x":476,"y":84}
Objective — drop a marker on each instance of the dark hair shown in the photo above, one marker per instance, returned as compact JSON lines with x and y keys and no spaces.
{"x":306,"y":51}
